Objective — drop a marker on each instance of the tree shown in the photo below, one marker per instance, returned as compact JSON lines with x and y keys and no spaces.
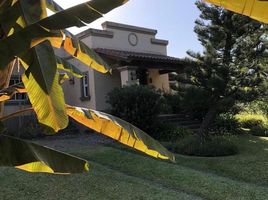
{"x":28,"y":36}
{"x":234,"y":62}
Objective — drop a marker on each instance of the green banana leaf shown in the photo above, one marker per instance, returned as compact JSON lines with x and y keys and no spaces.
{"x":53,"y":6}
{"x":10,"y":18}
{"x":39,"y":25}
{"x":80,"y":14}
{"x":31,"y":157}
{"x":120,"y":131}
{"x":44,"y":90}
{"x":74,"y":16}
{"x":31,"y":36}
{"x":24,"y":40}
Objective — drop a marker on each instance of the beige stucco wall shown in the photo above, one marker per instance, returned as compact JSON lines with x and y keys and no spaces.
{"x":104,"y":83}
{"x":159,"y":81}
{"x":120,"y":42}
{"x":124,"y":74}
{"x":99,"y":85}
{"x":73,"y":92}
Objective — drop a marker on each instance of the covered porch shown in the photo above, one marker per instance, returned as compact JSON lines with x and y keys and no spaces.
{"x":142,"y":68}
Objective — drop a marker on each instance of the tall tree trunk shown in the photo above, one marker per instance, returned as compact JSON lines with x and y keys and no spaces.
{"x":5,"y":76}
{"x":209,"y":118}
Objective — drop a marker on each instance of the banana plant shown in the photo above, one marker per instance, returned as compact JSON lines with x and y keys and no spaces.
{"x":256,"y":9}
{"x":36,"y":158}
{"x":28,"y":36}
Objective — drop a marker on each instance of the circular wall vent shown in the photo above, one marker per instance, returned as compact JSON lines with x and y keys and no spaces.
{"x":133,"y":39}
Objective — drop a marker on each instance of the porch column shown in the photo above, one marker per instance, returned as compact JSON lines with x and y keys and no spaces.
{"x":128,"y":75}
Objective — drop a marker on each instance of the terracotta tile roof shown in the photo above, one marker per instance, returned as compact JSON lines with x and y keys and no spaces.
{"x":129,"y":55}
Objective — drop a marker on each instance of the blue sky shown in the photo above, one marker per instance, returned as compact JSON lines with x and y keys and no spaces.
{"x":174,"y":20}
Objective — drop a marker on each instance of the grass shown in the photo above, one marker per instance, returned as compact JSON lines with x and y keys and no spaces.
{"x":117,"y":173}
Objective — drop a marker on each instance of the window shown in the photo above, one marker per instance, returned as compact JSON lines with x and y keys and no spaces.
{"x":17,"y":97}
{"x":85,"y":87}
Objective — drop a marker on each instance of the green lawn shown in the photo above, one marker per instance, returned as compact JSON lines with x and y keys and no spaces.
{"x":117,"y":173}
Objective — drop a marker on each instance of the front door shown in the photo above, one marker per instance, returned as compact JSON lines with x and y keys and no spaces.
{"x":143,"y":75}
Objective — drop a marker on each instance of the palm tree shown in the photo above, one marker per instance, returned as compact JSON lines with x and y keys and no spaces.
{"x":28,"y":36}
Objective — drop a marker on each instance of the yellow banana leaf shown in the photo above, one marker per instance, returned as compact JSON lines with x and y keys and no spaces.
{"x":31,"y":157}
{"x":120,"y":131}
{"x":41,"y":81}
{"x":64,"y":65}
{"x":256,"y":9}
{"x":83,"y":53}
{"x":7,"y":93}
{"x":31,"y":36}
{"x":63,"y":77}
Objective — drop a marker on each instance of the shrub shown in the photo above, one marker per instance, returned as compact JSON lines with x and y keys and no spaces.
{"x":251,"y":120}
{"x":173,"y":101}
{"x":32,"y":130}
{"x":255,"y":107}
{"x":215,"y":146}
{"x":139,"y":105}
{"x":259,"y":131}
{"x":226,"y":123}
{"x":169,"y":132}
{"x":196,"y":102}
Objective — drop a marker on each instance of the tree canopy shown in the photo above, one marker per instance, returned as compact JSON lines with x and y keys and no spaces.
{"x":233,"y":65}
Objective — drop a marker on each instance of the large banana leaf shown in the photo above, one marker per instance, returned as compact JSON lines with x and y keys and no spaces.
{"x":24,"y":40}
{"x":35,"y":17}
{"x":120,"y":131}
{"x":34,"y":35}
{"x":53,"y":6}
{"x":27,"y":26}
{"x":10,"y":18}
{"x":35,"y":158}
{"x":64,"y":65}
{"x":112,"y":127}
{"x":41,"y":78}
{"x":83,"y":53}
{"x":80,"y":14}
{"x":256,"y":9}
{"x":7,"y":93}
{"x":74,"y":16}
{"x":41,"y":81}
